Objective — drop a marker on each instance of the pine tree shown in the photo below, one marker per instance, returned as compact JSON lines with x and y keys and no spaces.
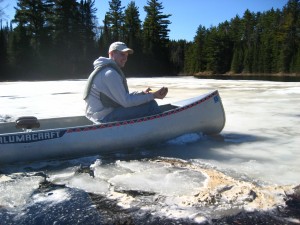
{"x":87,"y":34}
{"x":132,"y":26}
{"x":190,"y":59}
{"x":196,"y":59}
{"x":236,"y":33}
{"x":155,"y":36}
{"x":290,"y":35}
{"x":22,"y":57}
{"x":31,"y":22}
{"x":3,"y":52}
{"x":177,"y":55}
{"x":200,"y":53}
{"x":105,"y":37}
{"x":155,"y":27}
{"x":213,"y":50}
{"x":66,"y":36}
{"x":115,"y":20}
{"x":132,"y":37}
{"x":248,"y":42}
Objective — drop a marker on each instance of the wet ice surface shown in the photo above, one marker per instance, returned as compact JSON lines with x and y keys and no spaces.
{"x":250,"y":166}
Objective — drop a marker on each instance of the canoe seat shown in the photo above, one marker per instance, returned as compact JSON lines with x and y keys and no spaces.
{"x":27,"y":122}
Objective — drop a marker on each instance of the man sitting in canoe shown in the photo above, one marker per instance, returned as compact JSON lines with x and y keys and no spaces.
{"x":107,"y":96}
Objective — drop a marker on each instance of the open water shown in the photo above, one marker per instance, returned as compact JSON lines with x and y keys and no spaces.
{"x":251,"y":170}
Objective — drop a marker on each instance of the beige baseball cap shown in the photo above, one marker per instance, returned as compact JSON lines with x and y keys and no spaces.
{"x":119,"y":46}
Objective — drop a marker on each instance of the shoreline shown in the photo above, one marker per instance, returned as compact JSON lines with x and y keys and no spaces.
{"x":292,"y":77}
{"x":285,"y":77}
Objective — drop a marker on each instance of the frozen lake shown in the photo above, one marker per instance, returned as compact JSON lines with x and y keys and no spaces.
{"x":183,"y":179}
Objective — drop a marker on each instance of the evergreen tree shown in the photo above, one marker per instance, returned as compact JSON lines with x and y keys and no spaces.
{"x":22,"y":57}
{"x":237,"y":36}
{"x":115,"y":20}
{"x":196,"y":59}
{"x":132,"y":37}
{"x":155,"y":36}
{"x":200,"y":53}
{"x":190,"y":63}
{"x":87,"y":33}
{"x":105,"y":37}
{"x":132,"y":26}
{"x":248,"y":42}
{"x":155,"y":27}
{"x":268,"y":27}
{"x":290,"y":36}
{"x":225,"y":48}
{"x":66,"y":36}
{"x":3,"y":52}
{"x":30,"y":20}
{"x":4,"y":58}
{"x":213,"y":51}
{"x":177,"y":55}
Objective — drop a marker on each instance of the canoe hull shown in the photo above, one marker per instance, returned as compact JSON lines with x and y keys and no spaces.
{"x":203,"y":114}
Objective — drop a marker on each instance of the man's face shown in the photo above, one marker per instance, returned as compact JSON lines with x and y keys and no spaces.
{"x":120,"y":58}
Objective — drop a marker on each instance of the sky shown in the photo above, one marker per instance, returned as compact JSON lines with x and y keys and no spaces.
{"x":186,"y":15}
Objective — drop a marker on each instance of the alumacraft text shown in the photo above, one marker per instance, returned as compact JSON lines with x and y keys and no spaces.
{"x":30,"y":137}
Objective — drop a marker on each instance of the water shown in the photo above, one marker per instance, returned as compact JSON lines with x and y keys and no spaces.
{"x":250,"y":167}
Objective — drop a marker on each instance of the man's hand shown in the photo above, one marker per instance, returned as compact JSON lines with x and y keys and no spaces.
{"x":148,"y":90}
{"x":161,"y":93}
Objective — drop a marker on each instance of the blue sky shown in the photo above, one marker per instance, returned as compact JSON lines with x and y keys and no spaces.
{"x":187,"y":15}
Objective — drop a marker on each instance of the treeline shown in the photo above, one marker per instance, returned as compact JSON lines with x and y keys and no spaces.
{"x":259,"y":43}
{"x":58,"y":39}
{"x":55,"y":39}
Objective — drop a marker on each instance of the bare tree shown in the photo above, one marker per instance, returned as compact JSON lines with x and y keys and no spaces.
{"x":2,"y":14}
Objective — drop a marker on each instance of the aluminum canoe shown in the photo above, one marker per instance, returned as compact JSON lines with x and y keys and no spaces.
{"x":71,"y":137}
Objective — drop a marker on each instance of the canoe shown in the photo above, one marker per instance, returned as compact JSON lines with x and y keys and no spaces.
{"x":71,"y":137}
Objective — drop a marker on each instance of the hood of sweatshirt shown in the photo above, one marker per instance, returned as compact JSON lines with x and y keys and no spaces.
{"x":101,"y":61}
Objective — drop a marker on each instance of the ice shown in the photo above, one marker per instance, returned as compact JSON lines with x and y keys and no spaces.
{"x":41,"y":99}
{"x":73,"y":179}
{"x":15,"y":191}
{"x":54,"y":197}
{"x":262,"y":117}
{"x":88,"y":183}
{"x":150,"y":177}
{"x":134,"y":176}
{"x":185,"y":139}
{"x":259,"y":145}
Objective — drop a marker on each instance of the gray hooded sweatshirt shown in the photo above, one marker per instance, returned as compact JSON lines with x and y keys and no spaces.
{"x":114,"y":85}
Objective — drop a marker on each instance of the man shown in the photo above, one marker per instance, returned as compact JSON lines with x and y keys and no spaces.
{"x":107,"y":96}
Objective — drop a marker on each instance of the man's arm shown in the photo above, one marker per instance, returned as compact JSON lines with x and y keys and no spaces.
{"x":116,"y":91}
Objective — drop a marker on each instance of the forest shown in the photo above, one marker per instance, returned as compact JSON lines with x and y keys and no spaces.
{"x":59,"y":39}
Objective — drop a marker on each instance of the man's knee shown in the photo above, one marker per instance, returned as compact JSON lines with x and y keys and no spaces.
{"x":153,"y":106}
